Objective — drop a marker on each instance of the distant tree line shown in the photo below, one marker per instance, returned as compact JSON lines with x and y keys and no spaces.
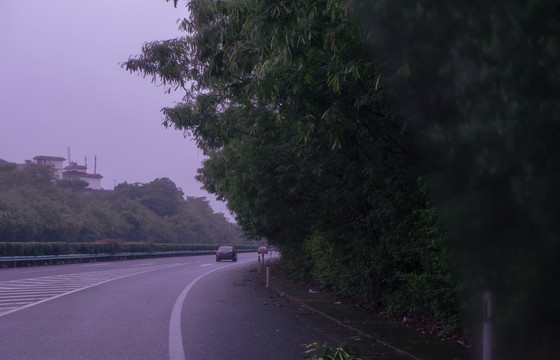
{"x":402,"y":153}
{"x":34,"y":207}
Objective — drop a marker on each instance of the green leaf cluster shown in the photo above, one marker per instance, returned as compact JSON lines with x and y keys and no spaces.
{"x":303,"y":141}
{"x":323,"y":352}
{"x":479,"y":82}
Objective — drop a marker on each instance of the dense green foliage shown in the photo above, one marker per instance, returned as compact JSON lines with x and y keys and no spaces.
{"x":360,"y":136}
{"x":480,"y":82}
{"x":35,"y":208}
{"x":302,"y":141}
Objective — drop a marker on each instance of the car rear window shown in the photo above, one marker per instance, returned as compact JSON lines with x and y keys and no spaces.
{"x":225,"y":248}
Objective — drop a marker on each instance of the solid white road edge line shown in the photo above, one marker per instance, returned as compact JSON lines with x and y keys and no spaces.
{"x":176,"y":349}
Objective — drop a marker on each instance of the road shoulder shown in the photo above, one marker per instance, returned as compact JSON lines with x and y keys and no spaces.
{"x":343,"y":323}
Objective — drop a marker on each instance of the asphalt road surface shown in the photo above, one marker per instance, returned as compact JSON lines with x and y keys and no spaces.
{"x":172,"y":308}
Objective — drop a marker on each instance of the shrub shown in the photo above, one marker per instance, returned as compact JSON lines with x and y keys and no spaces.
{"x":323,"y":352}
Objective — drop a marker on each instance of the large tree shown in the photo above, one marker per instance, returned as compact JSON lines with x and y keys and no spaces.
{"x":292,"y":79}
{"x":291,"y":104}
{"x":480,"y":81}
{"x":286,"y":100}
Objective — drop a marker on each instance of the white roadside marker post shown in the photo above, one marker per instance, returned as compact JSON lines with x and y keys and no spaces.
{"x":487,"y":328}
{"x":267,"y":273}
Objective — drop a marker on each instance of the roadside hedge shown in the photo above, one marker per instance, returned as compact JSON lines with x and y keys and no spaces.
{"x":62,"y":248}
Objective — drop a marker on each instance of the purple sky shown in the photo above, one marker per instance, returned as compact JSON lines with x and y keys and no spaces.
{"x":61,"y":86}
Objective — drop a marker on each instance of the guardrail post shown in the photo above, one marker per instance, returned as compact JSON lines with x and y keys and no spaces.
{"x":259,"y":261}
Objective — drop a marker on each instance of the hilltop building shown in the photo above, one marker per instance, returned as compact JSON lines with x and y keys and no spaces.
{"x":54,"y":161}
{"x":75,"y":171}
{"x":70,"y":172}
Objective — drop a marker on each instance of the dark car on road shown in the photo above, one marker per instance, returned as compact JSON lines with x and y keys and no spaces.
{"x":226,"y":253}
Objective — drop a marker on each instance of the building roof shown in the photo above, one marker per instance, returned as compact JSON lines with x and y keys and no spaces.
{"x":43,"y":157}
{"x":74,"y":173}
{"x":75,"y":167}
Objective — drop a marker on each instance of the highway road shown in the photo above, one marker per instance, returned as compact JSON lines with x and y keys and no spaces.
{"x":169,"y":308}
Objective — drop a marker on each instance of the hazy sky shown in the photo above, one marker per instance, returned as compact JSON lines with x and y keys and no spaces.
{"x":61,"y":86}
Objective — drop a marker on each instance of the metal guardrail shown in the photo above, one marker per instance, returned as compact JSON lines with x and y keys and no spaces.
{"x":18,"y":261}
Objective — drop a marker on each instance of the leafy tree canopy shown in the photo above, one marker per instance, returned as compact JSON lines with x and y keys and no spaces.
{"x":328,"y":124}
{"x":286,"y":100}
{"x":332,"y":120}
{"x":480,"y":83}
{"x":35,"y":208}
{"x":73,"y":184}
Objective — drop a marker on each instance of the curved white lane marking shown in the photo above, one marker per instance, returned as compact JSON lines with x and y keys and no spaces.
{"x":176,"y":349}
